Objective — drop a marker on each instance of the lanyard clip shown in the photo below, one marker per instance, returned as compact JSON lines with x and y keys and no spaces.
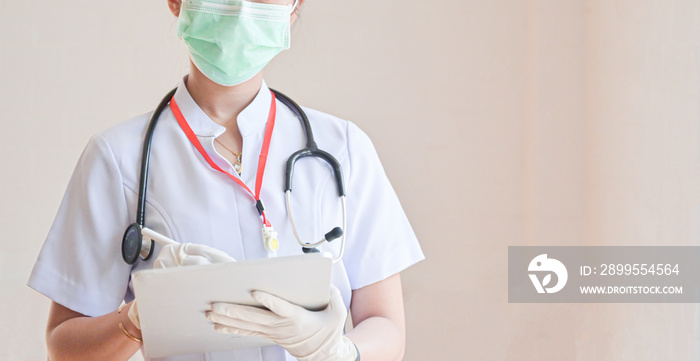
{"x":260,"y":206}
{"x":270,"y":239}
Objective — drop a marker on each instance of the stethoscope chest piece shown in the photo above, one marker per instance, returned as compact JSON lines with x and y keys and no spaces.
{"x":133,"y":245}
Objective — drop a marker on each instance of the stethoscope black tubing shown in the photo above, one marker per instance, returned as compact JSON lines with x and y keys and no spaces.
{"x":311,"y":149}
{"x":301,"y":115}
{"x":146,"y":156}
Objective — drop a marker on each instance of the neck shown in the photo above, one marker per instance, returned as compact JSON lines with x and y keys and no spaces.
{"x":222,"y":103}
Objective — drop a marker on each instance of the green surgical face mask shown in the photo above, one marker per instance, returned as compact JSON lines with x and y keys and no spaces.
{"x":230,"y":40}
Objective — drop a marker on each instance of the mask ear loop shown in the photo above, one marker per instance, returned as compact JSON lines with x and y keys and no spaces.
{"x":294,"y":7}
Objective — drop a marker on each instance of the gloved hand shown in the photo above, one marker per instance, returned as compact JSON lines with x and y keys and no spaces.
{"x":184,"y":254}
{"x":189,"y":254}
{"x":306,"y":335}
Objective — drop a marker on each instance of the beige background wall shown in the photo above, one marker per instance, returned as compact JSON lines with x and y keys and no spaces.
{"x":503,"y":122}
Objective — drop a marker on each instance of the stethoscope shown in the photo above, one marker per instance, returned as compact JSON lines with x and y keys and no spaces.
{"x":140,"y":240}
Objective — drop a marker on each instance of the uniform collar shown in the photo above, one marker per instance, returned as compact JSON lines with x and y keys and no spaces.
{"x":254,"y":117}
{"x":251,"y":120}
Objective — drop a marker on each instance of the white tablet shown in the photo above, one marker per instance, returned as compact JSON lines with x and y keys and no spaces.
{"x":172,"y":301}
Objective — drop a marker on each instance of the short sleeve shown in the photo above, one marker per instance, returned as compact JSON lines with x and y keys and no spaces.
{"x":80,"y":264}
{"x":380,"y":241}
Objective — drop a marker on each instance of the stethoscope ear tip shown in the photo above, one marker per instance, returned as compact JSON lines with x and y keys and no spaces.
{"x":310,"y":250}
{"x":333,"y":234}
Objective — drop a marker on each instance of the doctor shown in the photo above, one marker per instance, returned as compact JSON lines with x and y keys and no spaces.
{"x":227,"y":105}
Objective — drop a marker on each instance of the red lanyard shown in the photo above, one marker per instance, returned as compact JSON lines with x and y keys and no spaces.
{"x":261,"y":162}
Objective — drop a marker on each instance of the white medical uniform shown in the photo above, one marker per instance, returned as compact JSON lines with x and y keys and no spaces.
{"x":80,"y":265}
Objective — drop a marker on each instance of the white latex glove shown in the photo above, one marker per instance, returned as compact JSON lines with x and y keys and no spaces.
{"x":178,"y":255}
{"x":306,"y":335}
{"x":189,"y":254}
